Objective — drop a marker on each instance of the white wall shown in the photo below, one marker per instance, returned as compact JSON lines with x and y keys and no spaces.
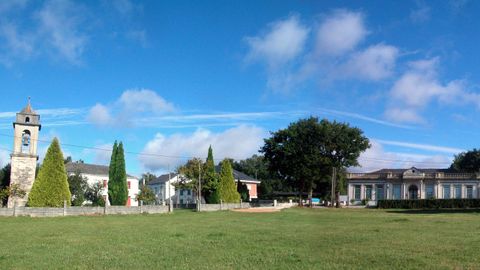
{"x":132,"y":192}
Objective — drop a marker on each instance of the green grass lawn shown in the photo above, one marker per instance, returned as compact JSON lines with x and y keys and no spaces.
{"x":292,"y":239}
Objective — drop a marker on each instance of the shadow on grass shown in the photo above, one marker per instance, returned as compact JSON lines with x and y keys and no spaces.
{"x":434,"y":211}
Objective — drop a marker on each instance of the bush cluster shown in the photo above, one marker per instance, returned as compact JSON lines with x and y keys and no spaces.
{"x":429,"y":203}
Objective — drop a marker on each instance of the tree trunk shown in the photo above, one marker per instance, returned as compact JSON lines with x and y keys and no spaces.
{"x":302,"y":189}
{"x":310,"y":194}
{"x":337,"y":198}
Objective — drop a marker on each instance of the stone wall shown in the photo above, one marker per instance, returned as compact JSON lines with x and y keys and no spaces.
{"x":23,"y":174}
{"x":123,"y":210}
{"x":81,"y":211}
{"x":224,"y":206}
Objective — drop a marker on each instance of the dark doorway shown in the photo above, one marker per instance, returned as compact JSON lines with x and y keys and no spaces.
{"x":413,"y":192}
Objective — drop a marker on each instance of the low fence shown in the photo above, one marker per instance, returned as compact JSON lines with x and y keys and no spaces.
{"x":127,"y":210}
{"x":82,"y":211}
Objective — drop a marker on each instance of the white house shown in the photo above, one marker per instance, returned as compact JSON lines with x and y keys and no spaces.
{"x":413,"y":183}
{"x":99,"y":174}
{"x":164,"y":187}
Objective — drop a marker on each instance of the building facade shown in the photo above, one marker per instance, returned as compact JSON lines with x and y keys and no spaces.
{"x":413,"y":183}
{"x":164,"y":188}
{"x":24,"y":157}
{"x":99,"y":174}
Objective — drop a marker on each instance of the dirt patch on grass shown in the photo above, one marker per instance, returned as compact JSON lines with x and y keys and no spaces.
{"x":257,"y":210}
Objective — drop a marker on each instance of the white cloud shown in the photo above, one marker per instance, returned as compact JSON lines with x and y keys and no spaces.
{"x":340,"y":32}
{"x":333,"y":55}
{"x":374,"y":63}
{"x":60,"y":24}
{"x":377,"y":158}
{"x":419,"y":86}
{"x":238,"y":143}
{"x":144,"y":100}
{"x":283,"y":41}
{"x":100,"y":115}
{"x":404,"y":115}
{"x":131,"y":106}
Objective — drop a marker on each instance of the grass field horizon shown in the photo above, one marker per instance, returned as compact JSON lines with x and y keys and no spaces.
{"x":291,"y":239}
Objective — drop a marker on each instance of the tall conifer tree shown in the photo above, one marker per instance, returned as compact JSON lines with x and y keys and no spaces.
{"x":210,"y":178}
{"x":227,"y":190}
{"x":121,"y":177}
{"x":111,"y":173}
{"x":50,"y":189}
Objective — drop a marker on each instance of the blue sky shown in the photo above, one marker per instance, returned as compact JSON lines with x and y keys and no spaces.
{"x":171,"y":78}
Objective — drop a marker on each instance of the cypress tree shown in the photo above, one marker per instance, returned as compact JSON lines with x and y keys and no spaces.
{"x":51,"y":189}
{"x":117,"y":184}
{"x":111,"y":168}
{"x":227,"y":190}
{"x":121,"y":177}
{"x":210,"y":179}
{"x":111,"y":173}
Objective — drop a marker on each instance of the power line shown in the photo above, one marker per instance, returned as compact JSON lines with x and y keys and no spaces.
{"x":190,"y":157}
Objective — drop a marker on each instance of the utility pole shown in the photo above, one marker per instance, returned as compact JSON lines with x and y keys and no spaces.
{"x":334,"y":178}
{"x":199,"y":202}
{"x":169,"y":191}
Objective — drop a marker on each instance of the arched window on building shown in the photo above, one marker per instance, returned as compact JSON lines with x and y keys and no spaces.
{"x":27,"y":119}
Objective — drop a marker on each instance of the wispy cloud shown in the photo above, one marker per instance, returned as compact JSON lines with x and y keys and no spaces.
{"x":365,"y":118}
{"x":377,"y":157}
{"x":427,"y":147}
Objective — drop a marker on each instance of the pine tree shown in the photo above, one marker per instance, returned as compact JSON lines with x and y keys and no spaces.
{"x":227,"y":190}
{"x":111,"y":173}
{"x":210,"y":179}
{"x":50,"y":189}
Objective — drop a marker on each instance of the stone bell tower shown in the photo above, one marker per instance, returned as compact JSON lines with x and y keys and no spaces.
{"x":24,"y":157}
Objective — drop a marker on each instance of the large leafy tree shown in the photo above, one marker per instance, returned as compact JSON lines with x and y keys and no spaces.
{"x":50,"y":189}
{"x":94,"y":194}
{"x":227,"y":190}
{"x":210,"y":182}
{"x":257,"y":166}
{"x":190,"y":172}
{"x":117,"y":185}
{"x":308,"y":149}
{"x":467,"y":161}
{"x":146,"y":195}
{"x":78,"y":187}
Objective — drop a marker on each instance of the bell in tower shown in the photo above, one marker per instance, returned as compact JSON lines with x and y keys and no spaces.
{"x":24,"y":157}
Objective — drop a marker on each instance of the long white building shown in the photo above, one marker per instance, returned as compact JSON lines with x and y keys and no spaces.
{"x":413,"y":183}
{"x":99,"y":174}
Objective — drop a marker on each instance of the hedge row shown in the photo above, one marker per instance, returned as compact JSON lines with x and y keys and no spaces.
{"x":429,"y":203}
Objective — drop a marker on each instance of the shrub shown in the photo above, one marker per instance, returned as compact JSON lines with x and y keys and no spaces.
{"x":227,"y":190}
{"x":50,"y":189}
